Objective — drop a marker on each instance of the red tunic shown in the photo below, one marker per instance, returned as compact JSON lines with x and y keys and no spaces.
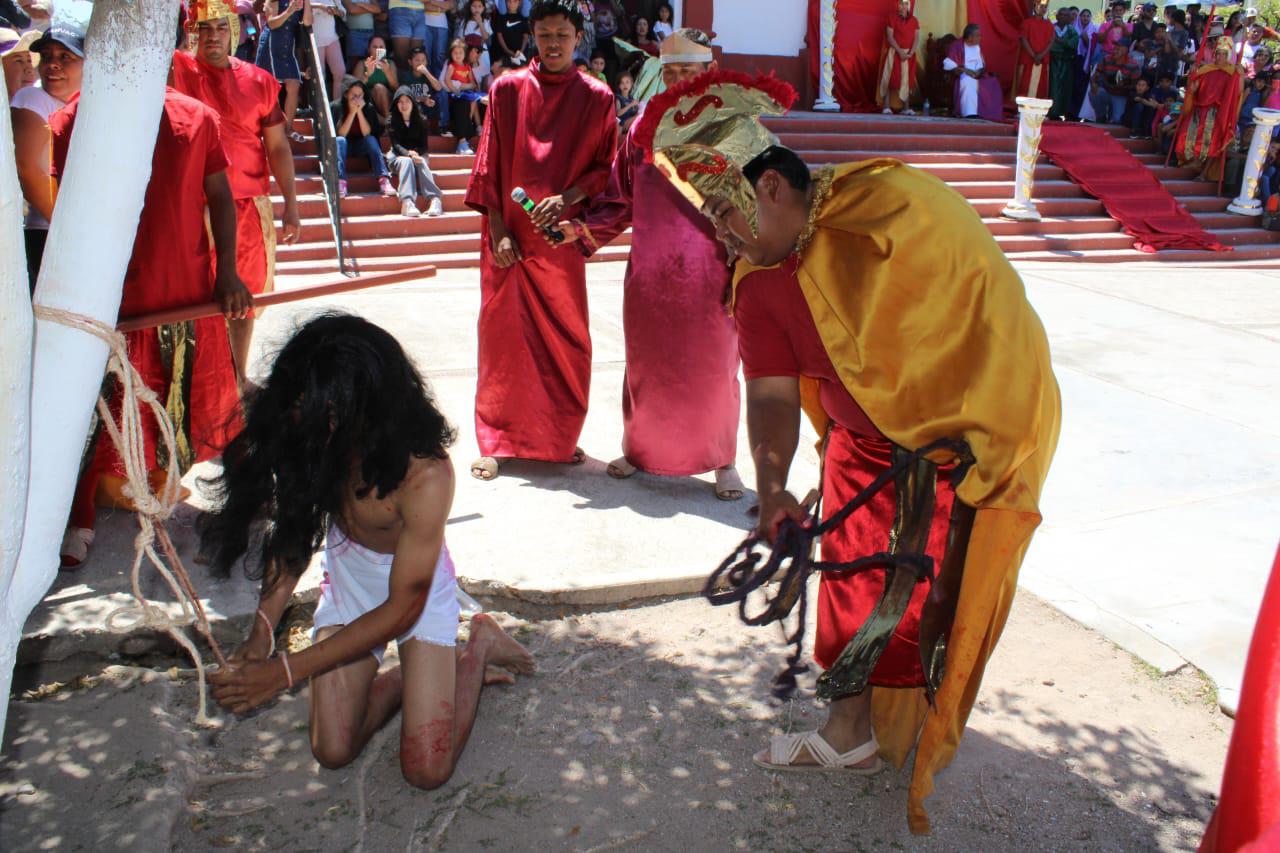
{"x":247,"y":101}
{"x":904,"y":34}
{"x":1031,"y":79}
{"x":1208,"y":122}
{"x":545,"y":133}
{"x":777,"y":337}
{"x":170,"y":267}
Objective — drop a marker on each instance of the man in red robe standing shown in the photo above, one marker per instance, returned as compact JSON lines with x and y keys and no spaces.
{"x":552,"y":132}
{"x":898,"y":72}
{"x":246,"y":99}
{"x":1031,"y":75}
{"x":1208,"y":122}
{"x":681,"y":401}
{"x":188,"y":365}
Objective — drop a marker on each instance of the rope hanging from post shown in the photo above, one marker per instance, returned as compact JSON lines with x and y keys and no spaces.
{"x":790,"y":562}
{"x":152,"y":509}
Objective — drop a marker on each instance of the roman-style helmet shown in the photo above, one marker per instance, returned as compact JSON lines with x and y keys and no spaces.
{"x":212,"y":10}
{"x":702,"y":133}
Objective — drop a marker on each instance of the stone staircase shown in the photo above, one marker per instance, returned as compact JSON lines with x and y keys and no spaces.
{"x":974,"y":157}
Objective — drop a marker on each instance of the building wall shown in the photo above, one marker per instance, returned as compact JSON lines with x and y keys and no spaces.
{"x":757,"y":36}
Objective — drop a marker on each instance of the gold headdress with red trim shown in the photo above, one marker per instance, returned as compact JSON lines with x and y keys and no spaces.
{"x":702,"y":133}
{"x":213,"y":10}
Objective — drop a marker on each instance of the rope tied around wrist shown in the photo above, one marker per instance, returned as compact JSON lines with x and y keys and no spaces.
{"x":152,"y":509}
{"x":789,"y":560}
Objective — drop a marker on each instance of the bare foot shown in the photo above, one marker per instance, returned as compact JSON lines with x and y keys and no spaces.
{"x":620,"y":468}
{"x":502,"y":650}
{"x":728,"y":484}
{"x":484,"y":468}
{"x":579,"y":456}
{"x":498,"y":675}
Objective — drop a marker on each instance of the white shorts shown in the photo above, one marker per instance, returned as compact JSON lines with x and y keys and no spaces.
{"x":356,"y":581}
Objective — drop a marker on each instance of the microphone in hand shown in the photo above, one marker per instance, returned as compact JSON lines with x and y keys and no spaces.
{"x":520,"y":197}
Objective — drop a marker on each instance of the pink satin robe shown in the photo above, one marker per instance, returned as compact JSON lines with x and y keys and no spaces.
{"x":681,"y":401}
{"x":545,"y":133}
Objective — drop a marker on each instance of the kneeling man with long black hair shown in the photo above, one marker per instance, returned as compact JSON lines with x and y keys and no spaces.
{"x":343,"y":448}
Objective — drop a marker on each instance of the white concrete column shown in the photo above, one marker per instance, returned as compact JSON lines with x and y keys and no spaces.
{"x":1031,"y":115}
{"x":1246,"y":204}
{"x":17,"y":330}
{"x":127,"y":56}
{"x":826,"y":60}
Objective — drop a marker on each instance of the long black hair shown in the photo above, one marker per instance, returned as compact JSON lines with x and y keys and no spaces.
{"x":343,"y":403}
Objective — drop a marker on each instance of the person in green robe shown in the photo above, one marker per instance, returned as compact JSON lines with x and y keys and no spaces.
{"x":1062,"y":54}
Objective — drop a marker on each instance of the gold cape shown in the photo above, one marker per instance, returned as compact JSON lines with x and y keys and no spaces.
{"x":929,"y":329}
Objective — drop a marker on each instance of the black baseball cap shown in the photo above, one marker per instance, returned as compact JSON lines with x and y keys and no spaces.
{"x":69,"y":34}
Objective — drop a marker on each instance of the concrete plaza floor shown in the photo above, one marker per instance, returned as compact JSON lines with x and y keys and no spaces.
{"x":1160,"y":512}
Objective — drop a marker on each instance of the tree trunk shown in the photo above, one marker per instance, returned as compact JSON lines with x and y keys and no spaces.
{"x":127,"y":57}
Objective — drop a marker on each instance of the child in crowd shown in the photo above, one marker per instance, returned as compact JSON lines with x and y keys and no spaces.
{"x":1255,"y":96}
{"x":664,"y":26}
{"x":1167,"y":129}
{"x":1142,"y":111}
{"x":462,"y":88}
{"x":510,"y":35}
{"x":598,"y":65}
{"x":582,"y":66}
{"x":628,"y":107}
{"x":408,"y":158}
{"x":586,"y":44}
{"x":422,"y":83}
{"x":359,"y":129}
{"x":476,"y":32}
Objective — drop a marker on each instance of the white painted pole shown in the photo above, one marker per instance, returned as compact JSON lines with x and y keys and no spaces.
{"x":128,"y":51}
{"x":826,"y":66}
{"x":1031,"y":115}
{"x":1247,"y":204}
{"x":16,"y":335}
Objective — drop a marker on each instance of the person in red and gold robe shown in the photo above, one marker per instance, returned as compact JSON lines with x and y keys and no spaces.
{"x":552,"y":132}
{"x":188,"y":365}
{"x":254,"y":137}
{"x":1209,"y":112}
{"x":1031,"y":74}
{"x":898,"y":68}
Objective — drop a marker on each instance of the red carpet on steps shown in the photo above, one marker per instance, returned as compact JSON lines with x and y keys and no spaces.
{"x":1131,"y":194}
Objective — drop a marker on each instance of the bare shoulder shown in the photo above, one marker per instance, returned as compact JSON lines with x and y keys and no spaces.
{"x":426,"y":495}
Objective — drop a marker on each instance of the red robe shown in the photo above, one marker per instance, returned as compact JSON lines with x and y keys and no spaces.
{"x":545,"y":133}
{"x":892,"y":81}
{"x":1031,"y":79}
{"x":1210,"y":112}
{"x":681,"y":403}
{"x":170,"y":268}
{"x":246,"y":99}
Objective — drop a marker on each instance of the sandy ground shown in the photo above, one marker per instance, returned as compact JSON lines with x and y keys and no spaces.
{"x":635,"y":735}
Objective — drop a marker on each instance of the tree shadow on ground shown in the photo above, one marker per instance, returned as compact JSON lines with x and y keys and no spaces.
{"x":636,"y":734}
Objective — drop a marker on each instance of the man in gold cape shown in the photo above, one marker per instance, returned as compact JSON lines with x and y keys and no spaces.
{"x":872,"y":296}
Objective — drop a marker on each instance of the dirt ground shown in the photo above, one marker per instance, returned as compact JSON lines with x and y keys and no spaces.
{"x":636,"y":735}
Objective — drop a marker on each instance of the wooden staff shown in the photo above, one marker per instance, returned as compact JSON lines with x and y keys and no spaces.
{"x":278,"y":297}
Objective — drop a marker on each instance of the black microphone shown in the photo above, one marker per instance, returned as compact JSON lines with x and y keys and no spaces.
{"x":520,"y":197}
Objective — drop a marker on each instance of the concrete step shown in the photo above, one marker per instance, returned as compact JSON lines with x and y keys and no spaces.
{"x":449,"y":260}
{"x":309,"y":164}
{"x":365,"y":203}
{"x":423,"y":245}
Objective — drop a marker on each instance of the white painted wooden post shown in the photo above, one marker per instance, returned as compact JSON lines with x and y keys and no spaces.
{"x":1247,"y":204}
{"x":16,"y":334}
{"x":826,"y":58}
{"x":1031,"y":115}
{"x":128,"y":52}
